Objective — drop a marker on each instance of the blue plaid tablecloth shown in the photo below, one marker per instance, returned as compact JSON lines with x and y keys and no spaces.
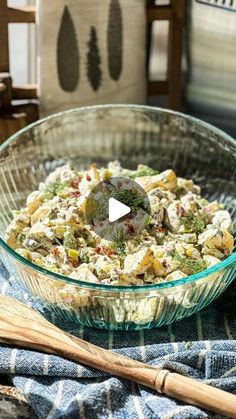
{"x":202,"y":346}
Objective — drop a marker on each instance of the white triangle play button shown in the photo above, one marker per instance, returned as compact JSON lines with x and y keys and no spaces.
{"x":116,"y":210}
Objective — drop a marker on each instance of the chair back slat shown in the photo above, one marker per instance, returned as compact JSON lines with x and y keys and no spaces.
{"x":21,"y":14}
{"x":4,"y":50}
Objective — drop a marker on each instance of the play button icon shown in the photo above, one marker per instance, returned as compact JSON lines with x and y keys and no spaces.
{"x":116,"y":210}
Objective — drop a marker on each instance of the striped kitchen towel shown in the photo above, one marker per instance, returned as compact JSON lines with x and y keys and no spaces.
{"x":202,"y":346}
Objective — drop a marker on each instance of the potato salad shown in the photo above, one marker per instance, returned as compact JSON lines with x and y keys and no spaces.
{"x":184,"y":233}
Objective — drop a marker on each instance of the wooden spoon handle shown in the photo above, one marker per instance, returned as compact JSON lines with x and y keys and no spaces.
{"x":199,"y":394}
{"x":24,"y":327}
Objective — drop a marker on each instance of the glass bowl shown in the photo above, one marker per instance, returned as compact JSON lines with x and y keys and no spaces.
{"x":131,"y":134}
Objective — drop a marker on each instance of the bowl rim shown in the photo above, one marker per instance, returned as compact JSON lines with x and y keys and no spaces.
{"x":104,"y":287}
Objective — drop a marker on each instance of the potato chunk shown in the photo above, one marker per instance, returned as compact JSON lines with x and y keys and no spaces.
{"x":83,"y":273}
{"x":211,"y":260}
{"x":223,"y":220}
{"x":216,"y":242}
{"x":41,"y":212}
{"x":138,"y":262}
{"x":166,"y":180}
{"x":175,"y":275}
{"x":33,"y":202}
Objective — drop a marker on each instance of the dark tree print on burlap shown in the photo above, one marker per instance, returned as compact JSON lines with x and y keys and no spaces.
{"x":115,"y":39}
{"x":94,"y":72}
{"x":67,"y":53}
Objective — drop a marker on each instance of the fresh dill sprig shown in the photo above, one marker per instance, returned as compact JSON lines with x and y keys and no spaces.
{"x":129,"y":198}
{"x":193,"y":223}
{"x":189,"y":266}
{"x":119,"y":243}
{"x":120,"y":248}
{"x":83,"y":255}
{"x":102,"y":208}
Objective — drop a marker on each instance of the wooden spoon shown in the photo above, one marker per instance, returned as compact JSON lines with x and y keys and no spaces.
{"x":24,"y":327}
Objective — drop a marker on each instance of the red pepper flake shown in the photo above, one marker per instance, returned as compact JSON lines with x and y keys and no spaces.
{"x":101,"y":250}
{"x":109,"y":252}
{"x":74,"y":262}
{"x":55,"y":251}
{"x":180,"y":211}
{"x":160,"y":229}
{"x":97,"y":249}
{"x":88,"y":178}
{"x":75,"y":194}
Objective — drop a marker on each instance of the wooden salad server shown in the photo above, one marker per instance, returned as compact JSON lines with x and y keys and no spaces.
{"x":22,"y":326}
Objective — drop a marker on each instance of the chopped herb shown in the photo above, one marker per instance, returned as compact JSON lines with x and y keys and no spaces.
{"x":101,"y":210}
{"x":84,"y":256}
{"x":21,"y":237}
{"x":119,"y":243}
{"x":129,"y":198}
{"x":53,"y":189}
{"x":69,"y":241}
{"x":193,"y":223}
{"x":144,"y":172}
{"x":189,"y":266}
{"x":120,"y":248}
{"x":149,"y":223}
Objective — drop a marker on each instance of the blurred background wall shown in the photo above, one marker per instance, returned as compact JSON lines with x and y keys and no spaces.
{"x":23,"y":55}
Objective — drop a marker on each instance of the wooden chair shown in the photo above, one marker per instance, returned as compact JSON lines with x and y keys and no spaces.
{"x":15,"y":116}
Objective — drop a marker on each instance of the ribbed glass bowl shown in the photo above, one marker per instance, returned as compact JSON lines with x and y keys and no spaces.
{"x":131,"y":134}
